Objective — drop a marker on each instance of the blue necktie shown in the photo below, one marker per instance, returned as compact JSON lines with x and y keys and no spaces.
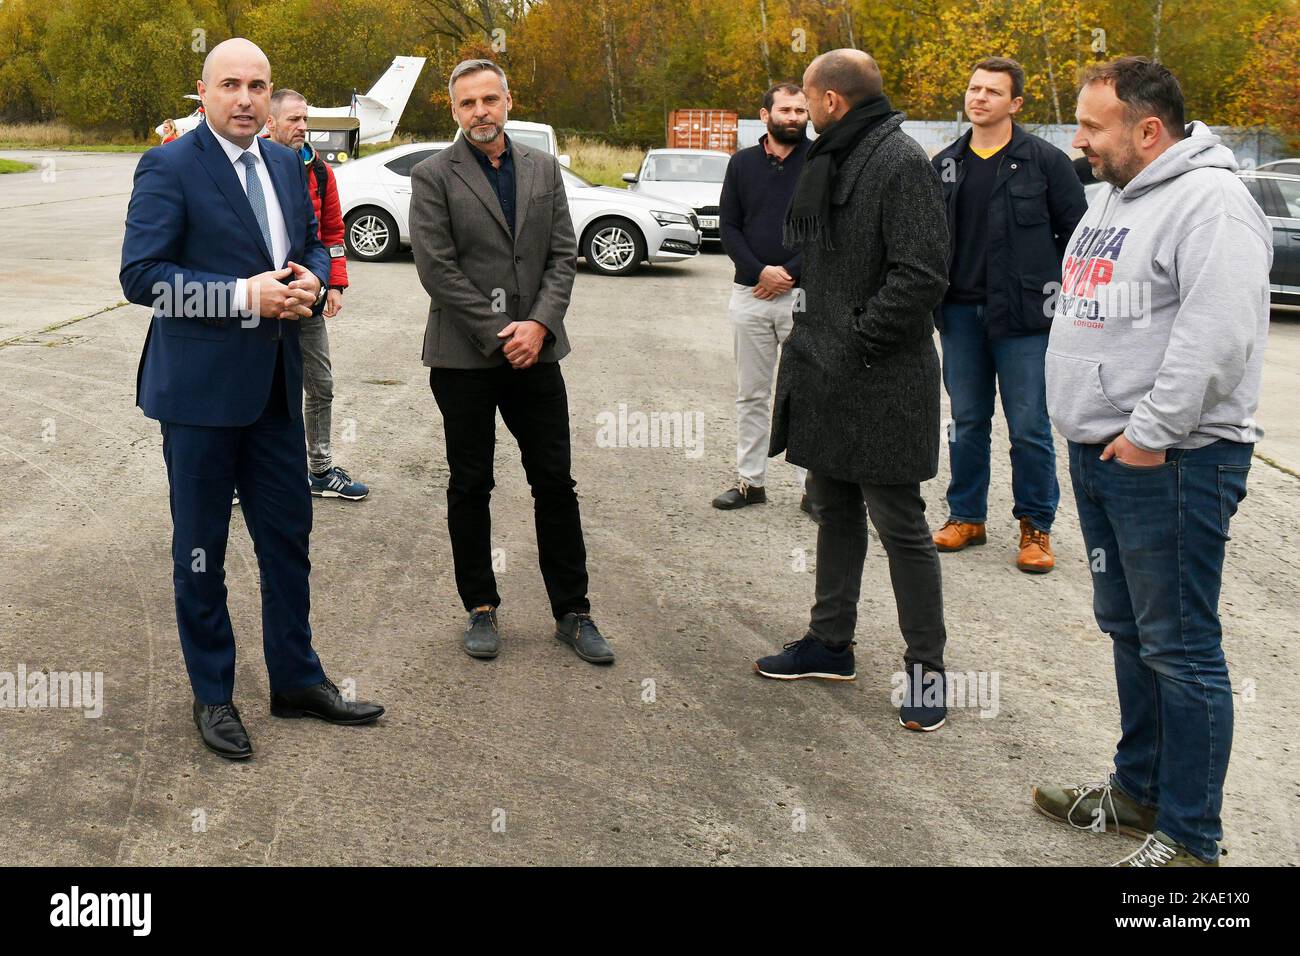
{"x":257,"y":199}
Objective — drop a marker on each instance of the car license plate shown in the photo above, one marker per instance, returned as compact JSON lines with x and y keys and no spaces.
{"x":708,"y":222}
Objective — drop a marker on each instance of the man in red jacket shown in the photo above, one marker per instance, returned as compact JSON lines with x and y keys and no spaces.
{"x":287,"y":125}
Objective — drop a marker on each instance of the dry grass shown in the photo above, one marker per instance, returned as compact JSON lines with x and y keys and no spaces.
{"x":593,"y":159}
{"x":62,"y":136}
{"x":599,"y":161}
{"x":399,"y":139}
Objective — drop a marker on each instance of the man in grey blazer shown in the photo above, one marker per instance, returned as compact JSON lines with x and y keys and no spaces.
{"x":495,"y":250}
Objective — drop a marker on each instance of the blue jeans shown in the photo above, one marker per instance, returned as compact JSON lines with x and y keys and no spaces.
{"x":1155,"y":539}
{"x":974,"y":368}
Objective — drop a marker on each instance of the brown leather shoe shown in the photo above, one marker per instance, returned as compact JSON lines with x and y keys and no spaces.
{"x":1035,"y":549}
{"x":955,"y":535}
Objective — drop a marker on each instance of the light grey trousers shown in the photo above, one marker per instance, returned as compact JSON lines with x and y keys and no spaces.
{"x":317,"y":391}
{"x":759,"y":327}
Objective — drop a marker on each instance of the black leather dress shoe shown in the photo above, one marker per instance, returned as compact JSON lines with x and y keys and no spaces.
{"x":324,"y":702}
{"x":740,"y":496}
{"x":222,"y":731}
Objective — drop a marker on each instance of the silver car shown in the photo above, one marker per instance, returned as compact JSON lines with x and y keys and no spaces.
{"x":692,"y":177}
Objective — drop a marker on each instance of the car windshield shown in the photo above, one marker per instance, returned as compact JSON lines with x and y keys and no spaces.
{"x":532,"y":138}
{"x":328,"y":139}
{"x":685,"y":168}
{"x":573,"y":180}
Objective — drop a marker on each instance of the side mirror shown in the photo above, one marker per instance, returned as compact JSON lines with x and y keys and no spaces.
{"x":564,"y":160}
{"x":629,"y":177}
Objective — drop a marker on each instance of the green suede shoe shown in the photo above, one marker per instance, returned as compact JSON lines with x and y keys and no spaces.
{"x":1162,"y":850}
{"x":1101,"y":808}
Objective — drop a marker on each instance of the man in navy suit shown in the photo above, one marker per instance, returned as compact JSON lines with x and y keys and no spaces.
{"x":218,"y":224}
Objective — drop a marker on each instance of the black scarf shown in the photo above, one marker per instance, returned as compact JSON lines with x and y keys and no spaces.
{"x":805,"y":220}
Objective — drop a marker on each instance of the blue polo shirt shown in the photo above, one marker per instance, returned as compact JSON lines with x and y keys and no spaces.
{"x":501,"y":179}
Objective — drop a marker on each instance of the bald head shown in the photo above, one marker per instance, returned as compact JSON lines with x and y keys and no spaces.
{"x":837,"y":81}
{"x":234,"y":50}
{"x":852,"y":74}
{"x":236,"y":90}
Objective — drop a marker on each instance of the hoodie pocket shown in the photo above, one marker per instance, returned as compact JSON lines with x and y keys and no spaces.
{"x":1077,"y":403}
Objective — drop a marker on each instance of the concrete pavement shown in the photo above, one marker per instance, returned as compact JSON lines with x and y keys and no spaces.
{"x":678,"y":753}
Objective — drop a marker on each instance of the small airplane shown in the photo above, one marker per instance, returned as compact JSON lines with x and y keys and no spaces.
{"x":377,"y":110}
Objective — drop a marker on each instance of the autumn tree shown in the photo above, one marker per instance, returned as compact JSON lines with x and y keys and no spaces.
{"x":1267,"y":86}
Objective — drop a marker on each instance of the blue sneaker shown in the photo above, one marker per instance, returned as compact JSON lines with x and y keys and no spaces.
{"x":925,"y":705}
{"x":337,"y":483}
{"x":808,"y":657}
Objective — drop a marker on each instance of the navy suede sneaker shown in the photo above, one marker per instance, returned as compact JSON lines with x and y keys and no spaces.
{"x":336,"y":483}
{"x":925,"y":705}
{"x":808,"y":657}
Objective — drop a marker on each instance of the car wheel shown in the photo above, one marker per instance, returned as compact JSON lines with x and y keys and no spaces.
{"x":371,"y":235}
{"x":614,"y":247}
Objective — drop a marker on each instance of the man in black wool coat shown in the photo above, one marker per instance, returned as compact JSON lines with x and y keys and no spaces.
{"x":857,"y":394}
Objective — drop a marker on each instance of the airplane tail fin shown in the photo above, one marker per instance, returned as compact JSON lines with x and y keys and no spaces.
{"x":393,"y":89}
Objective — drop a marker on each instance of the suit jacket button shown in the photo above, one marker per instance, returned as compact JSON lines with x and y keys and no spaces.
{"x":519,"y":258}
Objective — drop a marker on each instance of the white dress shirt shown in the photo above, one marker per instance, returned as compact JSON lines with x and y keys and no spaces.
{"x":274,"y":214}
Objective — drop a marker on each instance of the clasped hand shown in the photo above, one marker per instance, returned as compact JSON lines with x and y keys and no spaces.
{"x":524,"y":342}
{"x":272,"y":298}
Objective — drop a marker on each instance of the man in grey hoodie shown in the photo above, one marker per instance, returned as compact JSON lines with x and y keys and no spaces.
{"x":1153,"y":375}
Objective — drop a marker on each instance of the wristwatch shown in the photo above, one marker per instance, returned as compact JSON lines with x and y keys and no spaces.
{"x":320,"y":296}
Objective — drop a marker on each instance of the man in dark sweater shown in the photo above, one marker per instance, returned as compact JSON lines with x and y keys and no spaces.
{"x":1013,"y":201}
{"x":755,"y":193}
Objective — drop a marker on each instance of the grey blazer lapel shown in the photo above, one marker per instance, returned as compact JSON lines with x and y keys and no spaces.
{"x":467,"y":168}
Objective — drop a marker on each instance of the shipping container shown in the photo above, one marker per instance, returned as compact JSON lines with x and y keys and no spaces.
{"x":703,"y":129}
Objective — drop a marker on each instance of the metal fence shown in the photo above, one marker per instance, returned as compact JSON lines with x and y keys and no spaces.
{"x":1252,"y":146}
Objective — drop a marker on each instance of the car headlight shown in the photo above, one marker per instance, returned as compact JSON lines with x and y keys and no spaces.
{"x":664,"y":218}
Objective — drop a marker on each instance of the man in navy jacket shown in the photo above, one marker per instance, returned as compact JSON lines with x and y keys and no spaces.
{"x":221,"y":242}
{"x":1012,"y":201}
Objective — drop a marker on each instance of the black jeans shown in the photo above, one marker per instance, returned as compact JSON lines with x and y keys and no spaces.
{"x":535,"y":407}
{"x":898,"y":512}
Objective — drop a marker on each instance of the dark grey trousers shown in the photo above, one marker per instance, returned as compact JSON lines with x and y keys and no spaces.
{"x":840,"y":509}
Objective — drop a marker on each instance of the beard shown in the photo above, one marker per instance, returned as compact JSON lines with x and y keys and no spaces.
{"x":482,"y":135}
{"x":1119,"y":169}
{"x":787,"y":134}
